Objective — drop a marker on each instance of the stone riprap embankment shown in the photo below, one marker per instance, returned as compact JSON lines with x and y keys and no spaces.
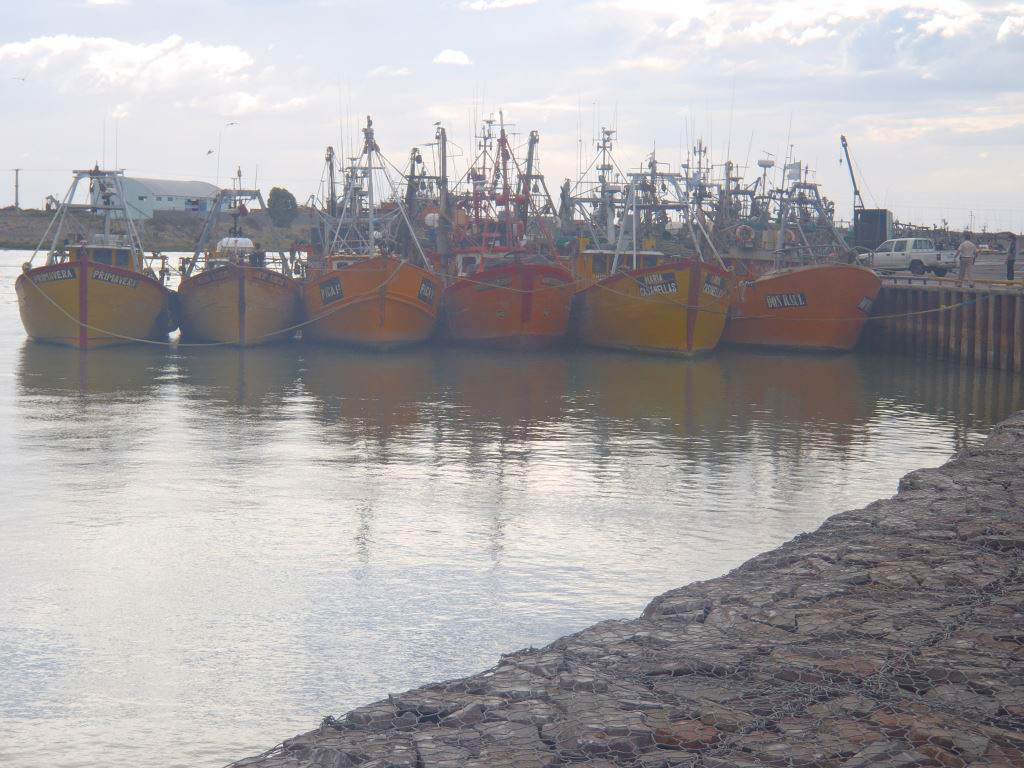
{"x":890,"y":637}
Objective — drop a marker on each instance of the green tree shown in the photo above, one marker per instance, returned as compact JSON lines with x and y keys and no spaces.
{"x":282,"y":207}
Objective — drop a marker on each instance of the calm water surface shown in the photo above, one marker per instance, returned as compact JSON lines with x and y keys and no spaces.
{"x":205,"y":551}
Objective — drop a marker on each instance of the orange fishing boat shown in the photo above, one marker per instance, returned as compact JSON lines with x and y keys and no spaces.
{"x":97,"y":292}
{"x":506,"y":286}
{"x":673,"y":308}
{"x":236,"y":299}
{"x":380,"y":302}
{"x":367,"y":291}
{"x":508,"y":299}
{"x":818,"y":307}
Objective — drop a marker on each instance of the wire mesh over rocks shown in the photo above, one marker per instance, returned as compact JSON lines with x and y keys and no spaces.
{"x":891,"y":637}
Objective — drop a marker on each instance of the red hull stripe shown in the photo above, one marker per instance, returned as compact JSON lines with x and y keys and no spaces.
{"x":83,"y":304}
{"x":692,"y":297}
{"x":241,"y":305}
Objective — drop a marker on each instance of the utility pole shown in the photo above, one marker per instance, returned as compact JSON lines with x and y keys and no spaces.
{"x":17,"y":171}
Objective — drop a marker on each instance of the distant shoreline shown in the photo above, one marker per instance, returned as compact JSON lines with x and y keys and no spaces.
{"x":167,"y":231}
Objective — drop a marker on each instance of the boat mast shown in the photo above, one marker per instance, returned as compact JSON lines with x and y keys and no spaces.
{"x":506,"y":190}
{"x":527,"y":180}
{"x":411,"y":188}
{"x":607,"y":193}
{"x":332,"y":190}
{"x":369,"y":147}
{"x":444,"y":222}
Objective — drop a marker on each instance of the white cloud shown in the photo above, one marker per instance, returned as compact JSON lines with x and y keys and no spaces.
{"x":656,"y":63}
{"x":244,"y":103}
{"x":491,"y":5}
{"x":110,"y":62}
{"x":449,"y":56}
{"x":387,"y":71}
{"x":793,"y":21}
{"x":1012,"y":25}
{"x":949,"y":25}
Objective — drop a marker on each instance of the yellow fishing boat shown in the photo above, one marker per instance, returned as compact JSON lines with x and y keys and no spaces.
{"x":98,"y":291}
{"x":673,"y":308}
{"x":237,"y":299}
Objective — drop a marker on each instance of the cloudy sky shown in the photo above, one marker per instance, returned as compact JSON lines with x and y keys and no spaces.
{"x":930,"y":93}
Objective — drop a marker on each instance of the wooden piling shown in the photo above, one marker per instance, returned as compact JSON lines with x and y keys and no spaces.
{"x":945,"y":318}
{"x":1005,"y":347}
{"x":991,"y":334}
{"x":954,"y":326}
{"x":979,"y":330}
{"x":967,"y":329}
{"x":920,"y":323}
{"x":1018,"y":333}
{"x":980,"y":326}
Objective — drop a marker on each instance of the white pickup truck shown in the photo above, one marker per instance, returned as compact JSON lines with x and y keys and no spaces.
{"x":918,"y":254}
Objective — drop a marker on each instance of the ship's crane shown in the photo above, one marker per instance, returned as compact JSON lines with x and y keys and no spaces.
{"x":858,"y":201}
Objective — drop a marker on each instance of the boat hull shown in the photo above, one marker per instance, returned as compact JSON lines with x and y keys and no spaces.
{"x":678,"y":308}
{"x":89,"y":305}
{"x":382,"y":303}
{"x":514,"y":306}
{"x":821,"y":307}
{"x":238,"y":305}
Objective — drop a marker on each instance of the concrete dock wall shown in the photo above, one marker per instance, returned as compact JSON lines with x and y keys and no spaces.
{"x":980,"y":325}
{"x":892,"y":636}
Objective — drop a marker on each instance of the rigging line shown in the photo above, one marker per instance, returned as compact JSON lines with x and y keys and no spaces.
{"x":732,"y":103}
{"x":750,"y":146}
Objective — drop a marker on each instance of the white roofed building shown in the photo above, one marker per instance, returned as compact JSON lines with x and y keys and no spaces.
{"x":146,"y":196}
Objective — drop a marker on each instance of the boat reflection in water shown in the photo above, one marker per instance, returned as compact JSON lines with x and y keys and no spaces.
{"x":366,"y":394}
{"x":655,"y":393}
{"x":719,"y":406}
{"x":123,"y":373}
{"x":793,"y":387}
{"x":255,"y":378}
{"x":494,"y":389}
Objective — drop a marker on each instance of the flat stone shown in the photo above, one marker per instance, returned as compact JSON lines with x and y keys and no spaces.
{"x":962,"y":697}
{"x":687,"y":734}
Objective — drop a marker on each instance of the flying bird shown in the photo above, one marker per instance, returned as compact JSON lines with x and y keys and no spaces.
{"x":23,"y":78}
{"x":209,"y":151}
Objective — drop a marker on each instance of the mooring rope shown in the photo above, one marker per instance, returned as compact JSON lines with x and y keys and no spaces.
{"x":179,"y":343}
{"x":384,"y":283}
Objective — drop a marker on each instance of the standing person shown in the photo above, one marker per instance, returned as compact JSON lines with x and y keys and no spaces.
{"x":967,"y":253}
{"x":1011,"y":257}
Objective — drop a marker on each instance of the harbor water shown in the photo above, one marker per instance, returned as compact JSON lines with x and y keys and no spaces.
{"x":207,"y":548}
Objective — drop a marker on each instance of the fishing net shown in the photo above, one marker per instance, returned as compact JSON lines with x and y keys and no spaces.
{"x":892,"y":636}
